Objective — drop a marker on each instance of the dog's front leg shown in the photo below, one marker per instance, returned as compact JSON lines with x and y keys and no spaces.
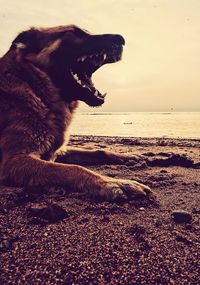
{"x":29,"y":170}
{"x":92,"y":157}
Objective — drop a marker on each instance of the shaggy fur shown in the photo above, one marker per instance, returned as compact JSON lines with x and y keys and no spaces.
{"x":42,"y":77}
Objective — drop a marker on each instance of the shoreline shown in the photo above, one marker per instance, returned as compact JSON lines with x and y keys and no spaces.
{"x":150,"y":140}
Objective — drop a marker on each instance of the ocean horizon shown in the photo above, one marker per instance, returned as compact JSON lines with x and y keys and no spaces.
{"x":138,"y":124}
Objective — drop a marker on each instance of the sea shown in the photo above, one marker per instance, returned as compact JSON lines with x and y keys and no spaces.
{"x":138,"y":124}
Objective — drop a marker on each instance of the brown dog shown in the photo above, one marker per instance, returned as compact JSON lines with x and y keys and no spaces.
{"x":42,"y":77}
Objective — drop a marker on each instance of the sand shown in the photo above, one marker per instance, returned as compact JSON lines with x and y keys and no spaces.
{"x":77,"y":240}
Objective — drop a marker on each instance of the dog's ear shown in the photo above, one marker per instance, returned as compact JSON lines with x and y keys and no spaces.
{"x":26,"y":42}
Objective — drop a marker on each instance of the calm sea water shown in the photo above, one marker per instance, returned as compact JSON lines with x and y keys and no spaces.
{"x":148,"y":124}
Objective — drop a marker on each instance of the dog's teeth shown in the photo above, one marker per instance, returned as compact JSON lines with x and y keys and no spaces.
{"x":76,"y":76}
{"x":77,"y":79}
{"x":104,"y":56}
{"x":102,"y":96}
{"x":96,"y":93}
{"x":83,"y":58}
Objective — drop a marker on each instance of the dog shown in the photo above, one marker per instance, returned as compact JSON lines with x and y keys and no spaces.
{"x":43,"y":76}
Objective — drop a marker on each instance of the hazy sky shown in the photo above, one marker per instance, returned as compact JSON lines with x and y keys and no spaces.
{"x":160,"y":69}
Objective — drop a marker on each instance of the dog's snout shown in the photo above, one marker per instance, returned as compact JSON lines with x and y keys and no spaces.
{"x":119,"y":39}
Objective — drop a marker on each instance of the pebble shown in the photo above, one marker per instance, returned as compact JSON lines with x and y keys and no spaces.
{"x":181,"y":216}
{"x":51,"y":212}
{"x":183,"y":239}
{"x":163,"y":171}
{"x":105,"y":219}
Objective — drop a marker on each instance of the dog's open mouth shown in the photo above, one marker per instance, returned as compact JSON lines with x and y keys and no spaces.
{"x":85,"y":65}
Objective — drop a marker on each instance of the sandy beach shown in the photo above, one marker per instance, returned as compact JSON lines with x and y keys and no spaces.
{"x":50,"y":236}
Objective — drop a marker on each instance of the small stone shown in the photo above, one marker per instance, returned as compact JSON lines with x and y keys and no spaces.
{"x":181,"y":216}
{"x":105,"y":219}
{"x":141,"y":208}
{"x":189,"y":227}
{"x":158,"y":223}
{"x":51,"y":212}
{"x":195,"y":211}
{"x":183,"y":239}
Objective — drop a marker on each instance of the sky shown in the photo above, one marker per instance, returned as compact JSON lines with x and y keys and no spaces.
{"x":160,"y":68}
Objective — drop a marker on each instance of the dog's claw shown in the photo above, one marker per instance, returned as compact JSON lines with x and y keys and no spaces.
{"x":124,"y":189}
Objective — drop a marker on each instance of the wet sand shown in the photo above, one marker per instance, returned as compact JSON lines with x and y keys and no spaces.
{"x":94,"y":242}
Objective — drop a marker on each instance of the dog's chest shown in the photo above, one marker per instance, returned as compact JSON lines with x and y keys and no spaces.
{"x":63,"y":130}
{"x":59,"y":123}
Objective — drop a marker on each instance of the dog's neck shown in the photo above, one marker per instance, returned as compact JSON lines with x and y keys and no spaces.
{"x":39,"y":81}
{"x":35,"y":83}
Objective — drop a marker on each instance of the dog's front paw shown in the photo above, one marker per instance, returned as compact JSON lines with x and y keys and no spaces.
{"x":114,"y":189}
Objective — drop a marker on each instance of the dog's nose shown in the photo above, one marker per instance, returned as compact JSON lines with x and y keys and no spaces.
{"x":119,"y":39}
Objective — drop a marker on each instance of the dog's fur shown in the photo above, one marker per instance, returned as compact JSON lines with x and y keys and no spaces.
{"x":39,"y":92}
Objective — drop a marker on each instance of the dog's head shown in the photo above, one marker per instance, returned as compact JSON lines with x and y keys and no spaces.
{"x":70,"y":56}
